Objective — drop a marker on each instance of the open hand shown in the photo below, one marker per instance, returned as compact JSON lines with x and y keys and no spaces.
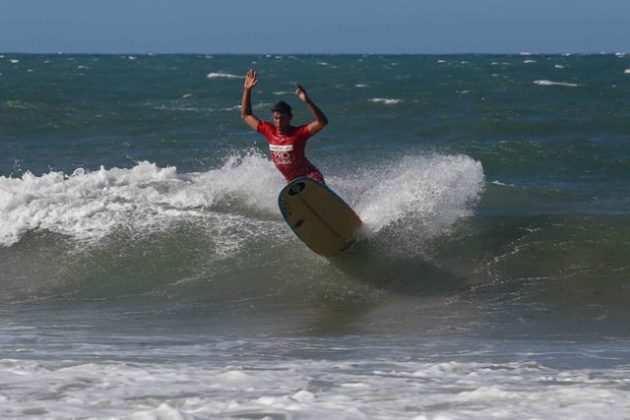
{"x":250,"y":79}
{"x":301,"y":93}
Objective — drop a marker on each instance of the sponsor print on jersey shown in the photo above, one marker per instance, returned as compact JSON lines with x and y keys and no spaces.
{"x":281,"y":154}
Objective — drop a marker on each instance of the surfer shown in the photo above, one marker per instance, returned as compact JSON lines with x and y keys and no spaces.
{"x":286,"y":142}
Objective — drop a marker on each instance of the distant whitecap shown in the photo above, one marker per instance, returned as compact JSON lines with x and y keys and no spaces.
{"x":626,"y":71}
{"x":220,"y":75}
{"x":552,"y":83}
{"x":386,"y":101}
{"x":501,"y":184}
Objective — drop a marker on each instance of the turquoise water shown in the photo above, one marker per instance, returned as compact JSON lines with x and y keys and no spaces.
{"x":141,"y":248}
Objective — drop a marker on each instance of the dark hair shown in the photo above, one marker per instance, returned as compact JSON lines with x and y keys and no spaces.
{"x":282,"y":107}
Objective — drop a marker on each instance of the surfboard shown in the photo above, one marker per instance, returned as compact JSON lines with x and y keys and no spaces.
{"x":318,"y":216}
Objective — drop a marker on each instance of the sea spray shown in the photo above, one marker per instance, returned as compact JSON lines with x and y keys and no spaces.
{"x":88,"y":205}
{"x":424,"y":194}
{"x":421,"y":197}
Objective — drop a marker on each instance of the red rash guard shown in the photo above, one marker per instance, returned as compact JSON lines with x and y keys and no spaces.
{"x":287,"y":151}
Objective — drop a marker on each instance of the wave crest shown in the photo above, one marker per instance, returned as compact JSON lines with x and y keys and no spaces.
{"x":88,"y":205}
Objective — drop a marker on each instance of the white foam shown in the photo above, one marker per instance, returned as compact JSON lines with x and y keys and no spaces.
{"x":386,"y":101}
{"x":427,"y":195}
{"x":424,"y":194}
{"x":559,"y":66}
{"x":529,"y":61}
{"x":486,"y":393}
{"x":293,"y":389}
{"x":90,"y":205}
{"x":14,"y":61}
{"x":221,"y":75}
{"x":304,"y":396}
{"x":360,"y":85}
{"x":626,"y":71}
{"x":552,"y":83}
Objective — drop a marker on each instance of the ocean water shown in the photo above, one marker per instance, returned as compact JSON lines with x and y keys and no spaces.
{"x":146,"y":272}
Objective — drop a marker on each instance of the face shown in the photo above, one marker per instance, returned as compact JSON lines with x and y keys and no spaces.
{"x":281,"y":120}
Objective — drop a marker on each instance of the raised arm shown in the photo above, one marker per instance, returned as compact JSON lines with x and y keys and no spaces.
{"x":246,"y":103}
{"x":320,"y":119}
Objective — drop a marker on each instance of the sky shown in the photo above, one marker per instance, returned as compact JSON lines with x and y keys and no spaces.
{"x":320,"y":26}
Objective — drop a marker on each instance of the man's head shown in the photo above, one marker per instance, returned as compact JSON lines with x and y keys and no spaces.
{"x":282,"y":114}
{"x":283,"y":108}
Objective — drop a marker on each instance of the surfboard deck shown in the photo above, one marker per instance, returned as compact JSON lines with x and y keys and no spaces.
{"x":318,"y":216}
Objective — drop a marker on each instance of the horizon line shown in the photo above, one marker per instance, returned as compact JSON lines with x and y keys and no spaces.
{"x":521,"y":53}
